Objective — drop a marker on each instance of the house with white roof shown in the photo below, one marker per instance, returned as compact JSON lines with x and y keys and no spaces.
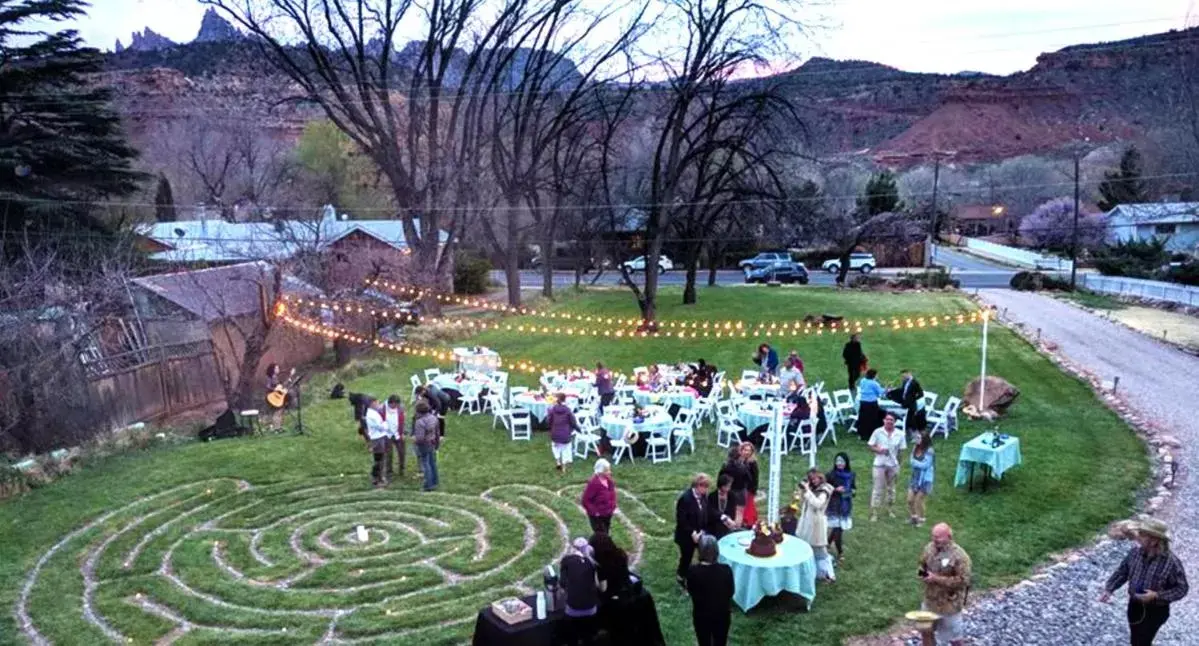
{"x":351,"y":250}
{"x":1177,"y":223}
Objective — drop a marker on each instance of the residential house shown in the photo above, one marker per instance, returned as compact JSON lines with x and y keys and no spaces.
{"x":232,"y":303}
{"x":979,"y":220}
{"x":347,"y":251}
{"x":1175,"y":222}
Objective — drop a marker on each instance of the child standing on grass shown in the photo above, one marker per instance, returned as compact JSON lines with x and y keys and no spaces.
{"x":840,"y":505}
{"x":921,"y":484}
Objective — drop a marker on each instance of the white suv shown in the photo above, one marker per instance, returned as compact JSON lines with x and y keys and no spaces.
{"x":863,"y":262}
{"x":638,"y":264}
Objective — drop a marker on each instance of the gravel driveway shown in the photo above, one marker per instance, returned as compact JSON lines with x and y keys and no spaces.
{"x":1163,"y":384}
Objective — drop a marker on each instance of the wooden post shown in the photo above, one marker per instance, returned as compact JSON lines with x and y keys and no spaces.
{"x":162,"y":381}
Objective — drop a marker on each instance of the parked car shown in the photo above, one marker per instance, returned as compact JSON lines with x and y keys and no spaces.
{"x":783,"y":272}
{"x":765,"y":259}
{"x":863,"y":262}
{"x":638,"y":264}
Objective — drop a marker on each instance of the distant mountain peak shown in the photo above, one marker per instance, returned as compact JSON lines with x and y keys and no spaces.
{"x":146,"y":40}
{"x":215,"y":29}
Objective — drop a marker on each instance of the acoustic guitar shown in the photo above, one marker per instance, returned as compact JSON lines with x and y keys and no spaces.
{"x":277,"y":398}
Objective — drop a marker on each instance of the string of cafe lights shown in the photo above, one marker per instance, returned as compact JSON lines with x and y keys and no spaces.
{"x":685,"y":329}
{"x":443,"y":355}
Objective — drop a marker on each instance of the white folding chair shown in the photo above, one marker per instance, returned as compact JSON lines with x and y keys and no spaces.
{"x":620,"y":381}
{"x":431,"y":374}
{"x":499,"y":412}
{"x":585,"y":442}
{"x":930,"y":400}
{"x":805,"y":437}
{"x":624,"y":395}
{"x":514,"y":391}
{"x":521,"y":424}
{"x":830,"y":428}
{"x":415,"y":384}
{"x":658,"y":448}
{"x":727,"y":432}
{"x":683,"y":429}
{"x":831,"y":412}
{"x":621,"y":447}
{"x":847,"y":409}
{"x":470,"y":405}
{"x":705,"y":409}
{"x":945,"y":420}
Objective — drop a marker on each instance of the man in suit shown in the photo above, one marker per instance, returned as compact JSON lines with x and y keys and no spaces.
{"x":690,"y":518}
{"x":853,"y":357}
{"x":911,"y":396}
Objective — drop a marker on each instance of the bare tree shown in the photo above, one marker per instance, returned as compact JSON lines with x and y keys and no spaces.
{"x":413,"y":111}
{"x":700,"y":106}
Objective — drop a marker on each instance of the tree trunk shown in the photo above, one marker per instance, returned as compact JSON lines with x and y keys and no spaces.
{"x":547,"y":264}
{"x":713,"y":256}
{"x":689,"y":296}
{"x":512,"y":258}
{"x":843,"y":270}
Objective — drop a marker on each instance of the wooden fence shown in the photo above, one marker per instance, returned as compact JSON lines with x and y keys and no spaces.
{"x":153,"y":383}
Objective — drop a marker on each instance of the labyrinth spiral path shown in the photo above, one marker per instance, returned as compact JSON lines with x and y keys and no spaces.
{"x":228,"y":561}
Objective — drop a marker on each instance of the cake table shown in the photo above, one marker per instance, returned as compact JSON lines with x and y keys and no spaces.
{"x":791,"y":569}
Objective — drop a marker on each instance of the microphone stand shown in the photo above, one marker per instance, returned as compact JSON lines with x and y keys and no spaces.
{"x":299,"y":407}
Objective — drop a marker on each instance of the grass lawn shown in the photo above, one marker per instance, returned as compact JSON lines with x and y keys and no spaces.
{"x":1094,"y":300}
{"x":224,"y":535}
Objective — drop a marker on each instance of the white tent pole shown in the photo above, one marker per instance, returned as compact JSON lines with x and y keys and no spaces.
{"x":776,"y":466}
{"x":982,"y":384}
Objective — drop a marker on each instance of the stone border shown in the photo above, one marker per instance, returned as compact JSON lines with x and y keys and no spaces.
{"x":1162,"y":449}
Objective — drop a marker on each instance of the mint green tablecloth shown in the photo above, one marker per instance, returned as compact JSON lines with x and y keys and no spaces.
{"x":792,"y":569}
{"x":979,"y":451}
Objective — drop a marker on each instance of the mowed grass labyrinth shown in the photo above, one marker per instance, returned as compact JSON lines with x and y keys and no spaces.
{"x":249,"y":540}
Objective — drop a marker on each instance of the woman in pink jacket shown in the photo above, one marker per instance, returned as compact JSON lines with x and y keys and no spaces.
{"x":599,"y":497}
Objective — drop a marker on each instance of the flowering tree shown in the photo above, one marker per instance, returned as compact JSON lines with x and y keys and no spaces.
{"x":1051,"y":225}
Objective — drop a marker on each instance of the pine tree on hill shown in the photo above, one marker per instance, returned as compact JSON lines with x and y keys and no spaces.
{"x":881,"y":195}
{"x":61,"y":145}
{"x":1125,"y":185}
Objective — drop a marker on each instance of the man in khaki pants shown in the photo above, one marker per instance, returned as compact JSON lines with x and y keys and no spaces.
{"x":886,"y":443}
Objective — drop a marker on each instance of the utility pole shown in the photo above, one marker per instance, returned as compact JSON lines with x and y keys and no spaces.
{"x":1074,"y":230}
{"x":932,"y":228}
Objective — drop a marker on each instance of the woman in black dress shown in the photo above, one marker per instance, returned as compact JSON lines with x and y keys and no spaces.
{"x":611,"y":567}
{"x":710,"y":585}
{"x":725,"y":508}
{"x":742,"y":467}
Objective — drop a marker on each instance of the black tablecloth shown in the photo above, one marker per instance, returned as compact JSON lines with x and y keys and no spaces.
{"x":636,"y":616}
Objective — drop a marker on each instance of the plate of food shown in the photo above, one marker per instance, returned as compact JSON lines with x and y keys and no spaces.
{"x":923,"y":618}
{"x":744,"y":542}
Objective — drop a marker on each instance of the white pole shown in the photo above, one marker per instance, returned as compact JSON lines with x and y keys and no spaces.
{"x":982,"y":384}
{"x":776,"y":465}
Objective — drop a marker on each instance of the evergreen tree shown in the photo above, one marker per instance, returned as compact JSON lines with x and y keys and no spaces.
{"x":164,"y":201}
{"x":61,"y":145}
{"x":881,"y":196}
{"x":1125,"y":185}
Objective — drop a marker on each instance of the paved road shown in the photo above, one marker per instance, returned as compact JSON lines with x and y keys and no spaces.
{"x":959,"y":260}
{"x":1158,"y":381}
{"x":971,"y":278}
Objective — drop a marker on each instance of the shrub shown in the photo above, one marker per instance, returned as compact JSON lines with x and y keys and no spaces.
{"x":1034,"y":281}
{"x":928,"y":279}
{"x":1132,"y":258}
{"x":868,"y":281}
{"x":472,"y":273}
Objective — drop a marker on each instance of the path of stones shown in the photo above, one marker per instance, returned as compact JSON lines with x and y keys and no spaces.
{"x":222,"y":559}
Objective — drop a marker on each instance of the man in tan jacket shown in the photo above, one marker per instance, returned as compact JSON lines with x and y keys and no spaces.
{"x":945,"y":571}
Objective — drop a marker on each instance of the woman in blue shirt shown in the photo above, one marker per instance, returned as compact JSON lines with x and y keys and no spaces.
{"x":870,"y":416}
{"x":768,"y":359}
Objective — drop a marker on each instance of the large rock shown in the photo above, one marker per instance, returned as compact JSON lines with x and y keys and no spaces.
{"x":215,"y":29}
{"x":998,"y":396}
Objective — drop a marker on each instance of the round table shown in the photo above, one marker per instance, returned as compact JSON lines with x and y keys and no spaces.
{"x":657,"y":422}
{"x":792,"y":568}
{"x":752,"y":415}
{"x":748,"y":387}
{"x":470,"y":388}
{"x":682,"y":396}
{"x":539,"y":408}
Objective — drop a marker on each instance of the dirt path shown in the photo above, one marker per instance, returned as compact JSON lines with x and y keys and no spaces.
{"x":1162,"y":383}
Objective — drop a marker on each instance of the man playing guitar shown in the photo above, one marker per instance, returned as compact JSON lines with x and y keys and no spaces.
{"x":277,"y":394}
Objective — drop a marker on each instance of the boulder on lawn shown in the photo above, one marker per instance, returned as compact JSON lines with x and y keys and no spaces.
{"x":999,"y":395}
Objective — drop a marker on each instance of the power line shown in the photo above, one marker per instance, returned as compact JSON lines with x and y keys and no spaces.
{"x":596,"y":206}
